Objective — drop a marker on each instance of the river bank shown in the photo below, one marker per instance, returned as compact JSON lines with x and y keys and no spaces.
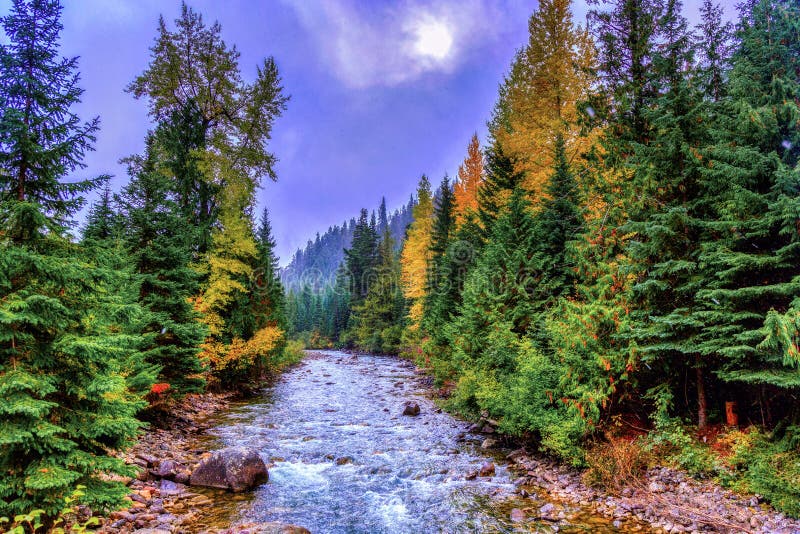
{"x":533,"y":493}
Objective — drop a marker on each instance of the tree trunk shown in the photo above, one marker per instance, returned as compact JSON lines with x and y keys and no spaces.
{"x":702,"y":401}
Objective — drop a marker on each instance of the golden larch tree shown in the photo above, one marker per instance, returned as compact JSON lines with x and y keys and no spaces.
{"x":470,"y":176}
{"x":415,"y":258}
{"x":540,"y":95}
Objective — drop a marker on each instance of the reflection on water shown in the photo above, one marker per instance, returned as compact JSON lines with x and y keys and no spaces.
{"x":344,"y":459}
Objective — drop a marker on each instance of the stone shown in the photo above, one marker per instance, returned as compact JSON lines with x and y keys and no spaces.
{"x":656,"y":487}
{"x":472,"y":475}
{"x":488,"y":443}
{"x":167,"y":469}
{"x":517,"y":515}
{"x":411,"y":408}
{"x":344,"y":460}
{"x":234,"y":468}
{"x":487,"y":469}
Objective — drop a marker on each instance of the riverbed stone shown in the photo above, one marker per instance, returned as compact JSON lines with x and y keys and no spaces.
{"x":410,"y":408}
{"x":234,"y":468}
{"x":487,"y":469}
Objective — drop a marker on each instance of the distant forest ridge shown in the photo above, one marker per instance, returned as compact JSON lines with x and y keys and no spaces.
{"x":316,"y":264}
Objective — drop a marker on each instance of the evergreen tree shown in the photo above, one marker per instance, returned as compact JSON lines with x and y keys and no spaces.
{"x":159,"y":248}
{"x":494,"y":193}
{"x":443,"y":227}
{"x":64,"y":342}
{"x":558,"y":223}
{"x":500,"y":286}
{"x":378,"y":320}
{"x":269,"y":307}
{"x":361,"y":258}
{"x":667,"y":227}
{"x":101,"y":222}
{"x":750,"y":251}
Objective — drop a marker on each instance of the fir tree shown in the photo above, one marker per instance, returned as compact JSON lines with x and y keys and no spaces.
{"x":270,"y":301}
{"x":750,"y":252}
{"x":494,"y":193}
{"x":64,"y":342}
{"x":361,"y":258}
{"x":443,"y":227}
{"x":558,"y":223}
{"x":159,"y":247}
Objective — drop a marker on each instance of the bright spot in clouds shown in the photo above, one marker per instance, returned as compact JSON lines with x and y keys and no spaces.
{"x":433,"y":39}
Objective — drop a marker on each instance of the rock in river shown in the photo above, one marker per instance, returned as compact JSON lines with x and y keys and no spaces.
{"x":410,"y":408}
{"x":234,"y":468}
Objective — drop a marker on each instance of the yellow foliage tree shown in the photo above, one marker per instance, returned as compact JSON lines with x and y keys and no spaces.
{"x":470,"y":176}
{"x":415,"y":258}
{"x":539,"y":98}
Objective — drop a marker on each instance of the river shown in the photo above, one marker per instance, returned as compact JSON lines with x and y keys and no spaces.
{"x":344,"y":458}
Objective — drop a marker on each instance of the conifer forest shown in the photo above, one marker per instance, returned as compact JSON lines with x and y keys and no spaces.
{"x":610,"y":281}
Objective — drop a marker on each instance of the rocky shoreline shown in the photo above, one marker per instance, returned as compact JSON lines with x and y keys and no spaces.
{"x":162,"y":501}
{"x":668,"y":500}
{"x":665,"y":500}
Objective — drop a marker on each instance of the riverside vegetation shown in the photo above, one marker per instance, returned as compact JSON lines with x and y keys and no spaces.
{"x":616,"y":267}
{"x":615,"y":275}
{"x":171,"y":287}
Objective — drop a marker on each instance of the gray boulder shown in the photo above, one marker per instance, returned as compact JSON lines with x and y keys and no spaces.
{"x":235,"y":468}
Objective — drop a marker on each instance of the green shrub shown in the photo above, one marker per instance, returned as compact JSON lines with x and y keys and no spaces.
{"x":768,"y":465}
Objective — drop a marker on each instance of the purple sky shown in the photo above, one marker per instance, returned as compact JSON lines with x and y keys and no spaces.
{"x":381,"y":92}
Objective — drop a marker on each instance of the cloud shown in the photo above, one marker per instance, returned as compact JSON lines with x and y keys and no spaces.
{"x":366,"y":46}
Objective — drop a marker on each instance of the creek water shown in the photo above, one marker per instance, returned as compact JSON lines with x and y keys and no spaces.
{"x":344,"y":458}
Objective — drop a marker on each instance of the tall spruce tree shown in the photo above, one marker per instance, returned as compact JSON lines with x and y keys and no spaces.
{"x":438,"y":279}
{"x":500,"y":286}
{"x":64,"y":342}
{"x":501,"y":179}
{"x":270,"y":306}
{"x":751,"y":253}
{"x":159,"y":245}
{"x":667,"y":225}
{"x":361,"y":258}
{"x":558,"y":223}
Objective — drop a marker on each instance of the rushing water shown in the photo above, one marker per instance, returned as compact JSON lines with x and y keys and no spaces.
{"x":344,"y":459}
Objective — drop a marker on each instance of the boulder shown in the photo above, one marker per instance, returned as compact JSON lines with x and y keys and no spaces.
{"x":235,"y":468}
{"x":167,"y":469}
{"x":410,"y":408}
{"x":487,"y":469}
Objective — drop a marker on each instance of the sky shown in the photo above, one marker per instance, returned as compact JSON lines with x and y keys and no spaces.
{"x":381,"y":92}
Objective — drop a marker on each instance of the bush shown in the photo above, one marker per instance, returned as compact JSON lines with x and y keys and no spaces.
{"x":615,"y":463}
{"x":291,"y":354}
{"x":768,"y":465}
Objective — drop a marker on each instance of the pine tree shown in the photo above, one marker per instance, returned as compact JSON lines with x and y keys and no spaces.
{"x":270,"y":299}
{"x":500,"y":286}
{"x":361,"y":259}
{"x":667,"y":227}
{"x":159,"y":247}
{"x":500,"y":181}
{"x":750,"y":252}
{"x":101,"y":222}
{"x":64,"y":342}
{"x":438,"y":282}
{"x":558,"y":223}
{"x":378,"y":320}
